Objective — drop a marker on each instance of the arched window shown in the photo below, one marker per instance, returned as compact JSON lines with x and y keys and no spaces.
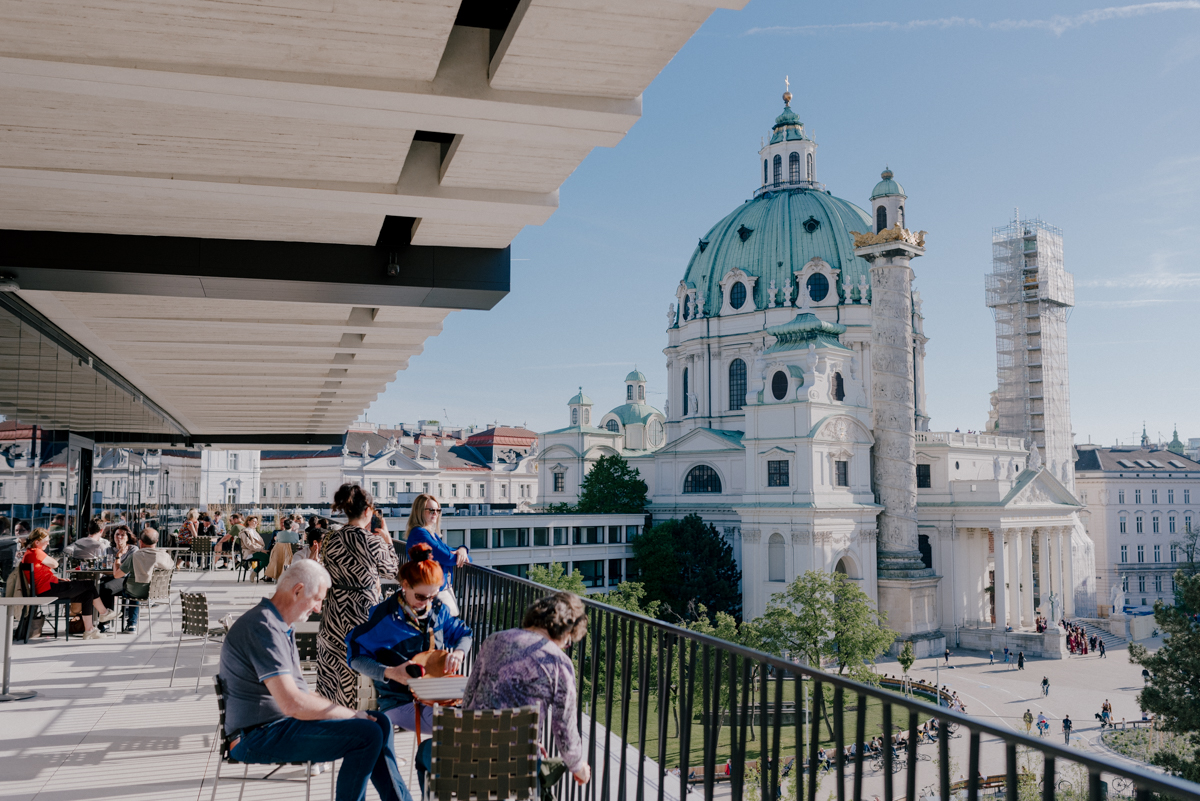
{"x":629,"y":392}
{"x":737,"y":384}
{"x":612,"y":426}
{"x":685,"y":392}
{"x":778,"y":169}
{"x":765,"y":172}
{"x":839,"y":389}
{"x":737,"y":295}
{"x":818,"y":287}
{"x":574,"y":417}
{"x":776,"y":558}
{"x":641,"y":392}
{"x":841,"y":568}
{"x":901,"y":220}
{"x":779,"y":385}
{"x":880,"y":219}
{"x":812,"y":174}
{"x":794,"y":168}
{"x":702,"y":478}
{"x":587,"y":417}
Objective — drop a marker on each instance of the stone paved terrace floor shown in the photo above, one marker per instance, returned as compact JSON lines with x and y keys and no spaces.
{"x":106,"y":725}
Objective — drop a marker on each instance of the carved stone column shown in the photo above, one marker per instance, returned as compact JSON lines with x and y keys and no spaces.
{"x":1069,"y":580}
{"x":1013,"y":535}
{"x":1027,"y":577}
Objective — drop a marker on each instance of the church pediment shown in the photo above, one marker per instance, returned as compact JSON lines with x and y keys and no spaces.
{"x":393,"y":460}
{"x":1039,"y":488}
{"x":841,"y":428}
{"x":705,"y":440}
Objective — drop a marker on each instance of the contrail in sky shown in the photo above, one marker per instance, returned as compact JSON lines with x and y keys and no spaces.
{"x":1057,"y":24}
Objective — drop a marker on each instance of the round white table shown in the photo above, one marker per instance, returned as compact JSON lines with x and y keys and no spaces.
{"x":5,"y":693}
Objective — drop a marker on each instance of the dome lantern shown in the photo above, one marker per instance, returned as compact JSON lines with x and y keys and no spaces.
{"x":581,"y":409}
{"x":787,"y":158}
{"x":887,"y":202}
{"x":635,"y":387}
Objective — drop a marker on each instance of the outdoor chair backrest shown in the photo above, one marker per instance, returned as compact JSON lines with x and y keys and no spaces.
{"x":195,"y":613}
{"x":484,"y":753}
{"x":28,"y":585}
{"x":160,"y":584}
{"x":306,"y":645}
{"x":202,"y":545}
{"x":220,"y":688}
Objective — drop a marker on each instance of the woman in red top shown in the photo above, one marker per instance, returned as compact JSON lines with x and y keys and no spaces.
{"x":48,"y":585}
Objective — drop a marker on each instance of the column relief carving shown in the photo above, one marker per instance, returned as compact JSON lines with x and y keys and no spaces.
{"x":751,"y":536}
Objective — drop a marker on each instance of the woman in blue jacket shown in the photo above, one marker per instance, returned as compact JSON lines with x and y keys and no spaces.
{"x":423,"y":523}
{"x":411,"y":621}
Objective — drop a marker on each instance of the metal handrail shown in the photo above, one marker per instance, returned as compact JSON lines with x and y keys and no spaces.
{"x":492,"y":601}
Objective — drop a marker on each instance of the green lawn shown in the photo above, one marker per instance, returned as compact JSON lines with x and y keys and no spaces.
{"x":787,"y":745}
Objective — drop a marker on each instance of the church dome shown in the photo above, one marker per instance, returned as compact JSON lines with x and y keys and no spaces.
{"x":580,"y":398}
{"x":772,"y":237}
{"x":635,"y":376}
{"x":633,"y":413}
{"x":887,"y":186}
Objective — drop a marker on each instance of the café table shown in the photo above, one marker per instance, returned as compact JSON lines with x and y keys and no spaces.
{"x":6,"y":693}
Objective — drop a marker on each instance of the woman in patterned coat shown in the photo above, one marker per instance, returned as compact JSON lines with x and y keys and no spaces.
{"x":356,"y":560}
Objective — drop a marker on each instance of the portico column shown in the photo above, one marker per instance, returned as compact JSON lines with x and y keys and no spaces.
{"x":1060,"y":575}
{"x":1001,"y":593}
{"x":1046,"y":569}
{"x":1069,"y":583}
{"x":1027,"y":576}
{"x":981,"y":560}
{"x":1013,"y":535}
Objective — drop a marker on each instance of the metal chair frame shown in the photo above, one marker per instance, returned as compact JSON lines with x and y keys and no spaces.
{"x":194,"y":606}
{"x":160,"y":593}
{"x":226,"y":759}
{"x":202,"y":552}
{"x":497,"y":750}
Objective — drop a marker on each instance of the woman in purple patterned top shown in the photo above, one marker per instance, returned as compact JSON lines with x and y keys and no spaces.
{"x":528,"y":666}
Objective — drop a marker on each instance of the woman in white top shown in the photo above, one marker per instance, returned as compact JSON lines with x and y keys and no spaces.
{"x":253,"y":545}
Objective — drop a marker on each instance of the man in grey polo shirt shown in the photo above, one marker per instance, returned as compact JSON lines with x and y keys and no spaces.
{"x":270,"y":714}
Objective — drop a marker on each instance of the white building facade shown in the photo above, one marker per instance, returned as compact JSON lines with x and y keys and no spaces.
{"x":796,"y":421}
{"x":1140,"y":505}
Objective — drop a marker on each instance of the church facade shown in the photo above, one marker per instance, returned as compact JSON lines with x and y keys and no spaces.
{"x":796,"y":422}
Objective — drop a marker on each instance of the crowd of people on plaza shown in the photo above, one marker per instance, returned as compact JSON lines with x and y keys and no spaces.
{"x":1080,"y":643}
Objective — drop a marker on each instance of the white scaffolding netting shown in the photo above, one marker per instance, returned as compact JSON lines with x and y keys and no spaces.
{"x":1030,"y":293}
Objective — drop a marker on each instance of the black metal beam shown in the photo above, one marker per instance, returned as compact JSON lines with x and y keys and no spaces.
{"x":392,"y":272}
{"x":229,"y":441}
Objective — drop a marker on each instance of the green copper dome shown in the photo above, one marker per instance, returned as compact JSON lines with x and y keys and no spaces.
{"x":580,"y":399}
{"x":787,"y":124}
{"x":772,"y":237}
{"x":635,"y":376}
{"x":633,"y":413}
{"x":887,"y":186}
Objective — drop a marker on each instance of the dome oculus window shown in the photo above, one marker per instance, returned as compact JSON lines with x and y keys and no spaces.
{"x":818,"y":287}
{"x":811,"y":225}
{"x":737,"y":295}
{"x":656,"y":433}
{"x":702,"y":478}
{"x":779,"y":385}
{"x":612,"y":426}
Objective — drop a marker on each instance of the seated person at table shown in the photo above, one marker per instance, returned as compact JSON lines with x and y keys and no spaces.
{"x":225,"y":545}
{"x":281,"y":552}
{"x":253,"y":549}
{"x":312,"y":544}
{"x":46,"y":584}
{"x":270,"y":714}
{"x":402,"y":627}
{"x":91,"y":547}
{"x":135,"y":569}
{"x":529,"y":667}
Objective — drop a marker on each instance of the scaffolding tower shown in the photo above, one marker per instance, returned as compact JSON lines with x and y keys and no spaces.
{"x":1030,"y":295}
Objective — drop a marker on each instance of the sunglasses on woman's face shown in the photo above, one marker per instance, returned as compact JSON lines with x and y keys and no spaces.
{"x":423,"y":598}
{"x":433,"y":510}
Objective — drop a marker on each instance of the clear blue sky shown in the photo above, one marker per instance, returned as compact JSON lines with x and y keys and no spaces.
{"x":1087,"y":117}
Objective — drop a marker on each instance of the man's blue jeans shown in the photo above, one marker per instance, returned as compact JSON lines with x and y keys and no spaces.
{"x":365,"y":747}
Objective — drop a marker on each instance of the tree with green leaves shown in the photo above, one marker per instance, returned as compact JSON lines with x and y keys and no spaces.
{"x":906,"y":658}
{"x":685,"y":565}
{"x":555,"y":576}
{"x":611,"y":487}
{"x":1171,"y":692}
{"x":827,"y":616}
{"x":1189,"y":545}
{"x":560,"y":509}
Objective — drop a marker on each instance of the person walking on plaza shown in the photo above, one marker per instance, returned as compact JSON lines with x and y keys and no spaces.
{"x":991,"y":657}
{"x":1021,"y":660}
{"x":1028,"y":718}
{"x":271,"y":716}
{"x":947,"y":656}
{"x":1045,"y":686}
{"x":424,"y":523}
{"x":1101,"y":649}
{"x":1066,"y":727}
{"x":357,"y":560}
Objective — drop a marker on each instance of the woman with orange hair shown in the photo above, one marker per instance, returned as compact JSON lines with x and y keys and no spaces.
{"x":411,"y":621}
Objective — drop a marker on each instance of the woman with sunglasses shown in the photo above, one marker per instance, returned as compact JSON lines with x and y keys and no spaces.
{"x":356,"y":560}
{"x":424,"y":524}
{"x":409,"y":622}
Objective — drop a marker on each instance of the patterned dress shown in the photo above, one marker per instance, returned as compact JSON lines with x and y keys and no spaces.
{"x":356,"y":560}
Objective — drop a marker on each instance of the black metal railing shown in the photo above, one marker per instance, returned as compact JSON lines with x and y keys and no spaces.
{"x":728,"y":704}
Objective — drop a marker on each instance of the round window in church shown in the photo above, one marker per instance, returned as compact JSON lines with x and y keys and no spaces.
{"x":737,"y":295}
{"x":779,"y":385}
{"x":657,"y":435}
{"x":818,"y":287}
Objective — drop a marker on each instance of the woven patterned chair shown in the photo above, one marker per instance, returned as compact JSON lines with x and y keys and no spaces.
{"x":195,"y":625}
{"x":484,"y":754}
{"x":160,"y":593}
{"x":29,"y":613}
{"x":202,"y":553}
{"x":226,"y":759}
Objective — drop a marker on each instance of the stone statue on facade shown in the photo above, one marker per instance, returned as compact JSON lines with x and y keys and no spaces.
{"x":771,"y":295}
{"x":787,"y":294}
{"x":997,"y":469}
{"x":864,"y":289}
{"x":1035,"y":458}
{"x":1118,"y":595}
{"x":671,"y":316}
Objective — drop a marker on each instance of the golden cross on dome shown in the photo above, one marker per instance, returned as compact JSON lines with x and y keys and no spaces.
{"x":787,"y":87}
